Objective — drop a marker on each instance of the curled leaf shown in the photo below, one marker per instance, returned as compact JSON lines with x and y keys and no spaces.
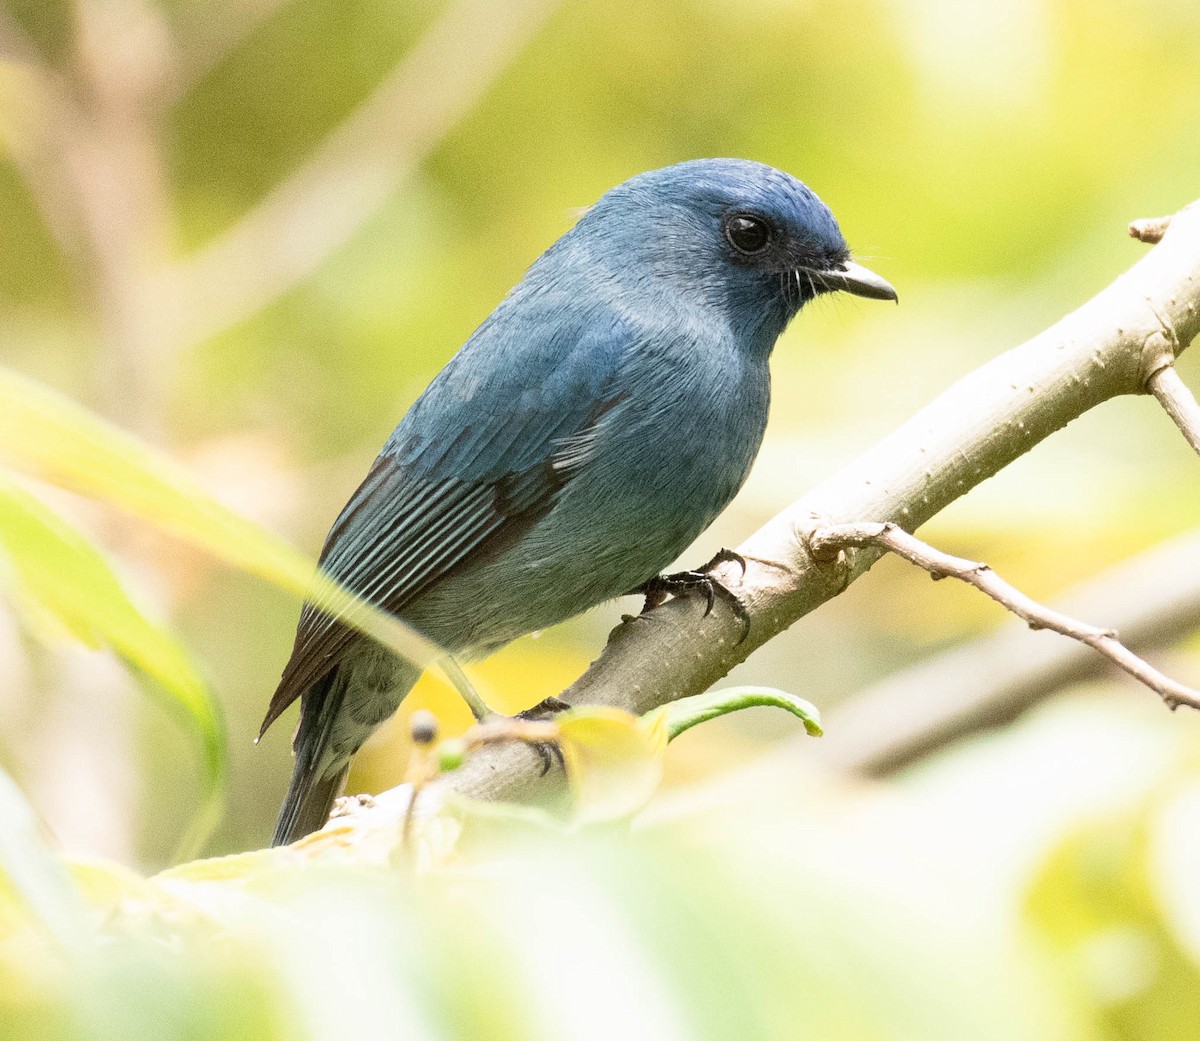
{"x":686,"y":713}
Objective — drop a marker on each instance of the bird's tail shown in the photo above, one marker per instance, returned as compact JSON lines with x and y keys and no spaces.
{"x":315,"y":784}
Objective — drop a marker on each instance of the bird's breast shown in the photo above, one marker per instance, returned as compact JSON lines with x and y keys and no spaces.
{"x":678,"y":455}
{"x":665,"y":462}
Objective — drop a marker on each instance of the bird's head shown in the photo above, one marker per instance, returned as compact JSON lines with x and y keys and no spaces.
{"x":750,"y":239}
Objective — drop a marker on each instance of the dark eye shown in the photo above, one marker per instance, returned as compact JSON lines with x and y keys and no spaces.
{"x":747,"y":233}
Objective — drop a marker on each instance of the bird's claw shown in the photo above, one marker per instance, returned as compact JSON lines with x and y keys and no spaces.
{"x":727,"y":556}
{"x":550,"y":754}
{"x":660,"y":588}
{"x":548,"y":751}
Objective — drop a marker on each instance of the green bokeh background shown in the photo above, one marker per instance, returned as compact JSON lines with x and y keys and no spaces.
{"x":985,"y":158}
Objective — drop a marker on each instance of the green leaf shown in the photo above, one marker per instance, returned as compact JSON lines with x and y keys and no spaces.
{"x":56,"y":568}
{"x":685,"y":713}
{"x":45,"y":434}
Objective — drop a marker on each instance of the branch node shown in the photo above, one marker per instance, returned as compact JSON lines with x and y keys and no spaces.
{"x":1149,"y":229}
{"x":1158,"y":353}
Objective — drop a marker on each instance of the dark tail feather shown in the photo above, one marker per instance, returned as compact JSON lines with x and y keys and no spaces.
{"x":307,"y":806}
{"x":310,"y":797}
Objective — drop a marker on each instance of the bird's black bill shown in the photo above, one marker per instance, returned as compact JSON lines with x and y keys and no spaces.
{"x":856,"y":279}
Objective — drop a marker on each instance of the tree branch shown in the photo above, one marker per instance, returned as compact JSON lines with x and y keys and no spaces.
{"x":1152,"y":599}
{"x":354,"y":171}
{"x":827,"y":543}
{"x":205,"y":41}
{"x":29,"y":133}
{"x":975,"y":428}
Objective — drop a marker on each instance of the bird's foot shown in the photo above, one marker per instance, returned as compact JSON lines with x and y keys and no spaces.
{"x":548,"y":751}
{"x":662,"y":587}
{"x":533,"y":727}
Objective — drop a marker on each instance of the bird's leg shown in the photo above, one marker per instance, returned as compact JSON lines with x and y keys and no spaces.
{"x":661,"y":587}
{"x":544,"y":709}
{"x":466,"y":689}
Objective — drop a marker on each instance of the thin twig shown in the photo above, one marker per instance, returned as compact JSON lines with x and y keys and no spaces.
{"x":828,"y":541}
{"x":1153,"y":599}
{"x":1178,"y":402}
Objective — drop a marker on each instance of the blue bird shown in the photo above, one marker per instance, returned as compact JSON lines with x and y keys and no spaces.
{"x":596,"y":423}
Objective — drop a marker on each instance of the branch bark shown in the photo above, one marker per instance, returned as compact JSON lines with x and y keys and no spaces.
{"x":1108,"y":347}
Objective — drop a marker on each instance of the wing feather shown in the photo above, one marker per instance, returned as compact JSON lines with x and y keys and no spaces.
{"x":474,"y":464}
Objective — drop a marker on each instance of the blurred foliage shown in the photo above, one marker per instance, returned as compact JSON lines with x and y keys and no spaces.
{"x":62,"y":582}
{"x":985,"y":158}
{"x":776,"y":906}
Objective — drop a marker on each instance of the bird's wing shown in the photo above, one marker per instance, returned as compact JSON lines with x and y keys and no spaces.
{"x":478,"y":460}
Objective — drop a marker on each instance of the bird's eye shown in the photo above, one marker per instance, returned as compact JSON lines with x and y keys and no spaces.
{"x":747,"y":234}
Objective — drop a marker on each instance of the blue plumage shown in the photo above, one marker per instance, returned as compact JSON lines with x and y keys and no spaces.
{"x":596,"y":422}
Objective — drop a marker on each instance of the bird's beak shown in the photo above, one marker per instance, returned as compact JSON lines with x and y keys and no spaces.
{"x":854,"y":278}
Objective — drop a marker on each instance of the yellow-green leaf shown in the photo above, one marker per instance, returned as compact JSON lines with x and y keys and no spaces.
{"x":54,"y":566}
{"x":45,"y":434}
{"x":613,"y":765}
